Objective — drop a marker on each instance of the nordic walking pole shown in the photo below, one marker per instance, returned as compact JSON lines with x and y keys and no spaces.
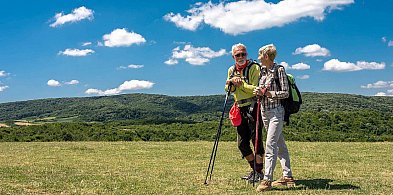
{"x":256,"y":138}
{"x":217,"y":139}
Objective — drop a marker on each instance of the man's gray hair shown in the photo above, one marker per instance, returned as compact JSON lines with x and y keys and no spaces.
{"x":238,"y":45}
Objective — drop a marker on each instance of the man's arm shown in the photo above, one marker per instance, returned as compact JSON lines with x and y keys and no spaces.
{"x":228,"y":81}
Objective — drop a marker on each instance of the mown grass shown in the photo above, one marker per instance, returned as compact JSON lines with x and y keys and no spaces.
{"x":180,"y":168}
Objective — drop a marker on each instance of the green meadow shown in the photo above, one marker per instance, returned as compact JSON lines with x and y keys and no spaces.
{"x":180,"y":168}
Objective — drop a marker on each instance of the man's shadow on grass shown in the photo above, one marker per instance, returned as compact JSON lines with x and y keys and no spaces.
{"x":321,"y":184}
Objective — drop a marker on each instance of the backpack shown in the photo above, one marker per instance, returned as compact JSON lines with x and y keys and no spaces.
{"x":294,"y":100}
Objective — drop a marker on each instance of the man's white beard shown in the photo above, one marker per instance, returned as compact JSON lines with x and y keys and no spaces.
{"x":241,"y":63}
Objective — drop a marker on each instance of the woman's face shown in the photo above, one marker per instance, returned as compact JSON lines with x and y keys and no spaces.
{"x":262,"y":58}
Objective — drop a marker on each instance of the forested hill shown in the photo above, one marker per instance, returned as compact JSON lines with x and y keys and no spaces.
{"x":151,"y":107}
{"x":149,"y":117}
{"x":110,"y":108}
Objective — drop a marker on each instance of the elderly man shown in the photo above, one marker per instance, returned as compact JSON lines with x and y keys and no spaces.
{"x":242,"y":79}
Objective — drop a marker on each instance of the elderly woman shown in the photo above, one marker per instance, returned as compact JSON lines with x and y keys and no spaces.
{"x":272,"y":112}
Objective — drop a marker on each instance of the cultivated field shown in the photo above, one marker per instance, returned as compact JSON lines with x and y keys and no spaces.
{"x":180,"y":168}
{"x":3,"y":125}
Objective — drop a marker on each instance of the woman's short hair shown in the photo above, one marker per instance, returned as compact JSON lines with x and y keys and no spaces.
{"x":269,"y":50}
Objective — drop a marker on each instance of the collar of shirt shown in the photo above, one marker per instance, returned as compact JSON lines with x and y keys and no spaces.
{"x":271,"y":70}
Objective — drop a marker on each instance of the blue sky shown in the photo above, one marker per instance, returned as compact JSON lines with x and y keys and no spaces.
{"x":53,"y":49}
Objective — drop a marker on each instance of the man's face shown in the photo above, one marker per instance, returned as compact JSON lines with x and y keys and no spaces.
{"x":240,"y":55}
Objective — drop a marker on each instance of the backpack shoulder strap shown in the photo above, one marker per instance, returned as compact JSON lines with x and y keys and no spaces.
{"x":246,"y":71}
{"x":298,"y":94}
{"x":276,"y":67}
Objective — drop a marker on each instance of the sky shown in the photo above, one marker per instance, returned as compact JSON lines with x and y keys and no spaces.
{"x":62,"y":48}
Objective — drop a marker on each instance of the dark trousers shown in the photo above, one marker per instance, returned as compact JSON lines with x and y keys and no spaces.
{"x":246,"y":131}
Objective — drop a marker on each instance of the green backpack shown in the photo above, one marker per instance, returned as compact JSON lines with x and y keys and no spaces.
{"x":293,"y":102}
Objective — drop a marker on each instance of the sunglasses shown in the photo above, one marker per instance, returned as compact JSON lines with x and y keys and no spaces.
{"x":240,"y":54}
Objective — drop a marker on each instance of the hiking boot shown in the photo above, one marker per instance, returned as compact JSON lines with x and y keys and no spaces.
{"x":284,"y":181}
{"x":250,"y":177}
{"x":246,"y":177}
{"x":264,"y":186}
{"x":258,"y":177}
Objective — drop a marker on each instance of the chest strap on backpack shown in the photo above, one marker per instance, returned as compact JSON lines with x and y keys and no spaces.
{"x":251,"y":99}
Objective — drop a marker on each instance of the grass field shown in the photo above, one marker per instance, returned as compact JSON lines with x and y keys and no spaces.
{"x":180,"y":168}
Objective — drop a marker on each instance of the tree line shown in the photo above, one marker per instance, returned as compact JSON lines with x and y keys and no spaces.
{"x":149,"y":117}
{"x":318,"y":126}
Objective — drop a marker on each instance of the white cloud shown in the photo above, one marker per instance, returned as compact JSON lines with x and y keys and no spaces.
{"x":189,"y":22}
{"x":53,"y":83}
{"x":335,"y":65}
{"x":135,"y":85}
{"x":3,"y":87}
{"x":370,"y":65}
{"x":76,"y":52}
{"x":132,"y":66}
{"x":303,"y":77}
{"x":194,"y":55}
{"x":300,"y":66}
{"x":380,"y":94}
{"x":72,"y":82}
{"x":94,"y":91}
{"x":286,"y":65}
{"x":171,"y":61}
{"x":390,"y":43}
{"x":384,"y":39}
{"x":378,"y":84}
{"x":126,"y":86}
{"x":388,"y":93}
{"x":244,"y":16}
{"x":3,"y":73}
{"x":122,"y":38}
{"x":77,"y":14}
{"x":312,"y":51}
{"x":86,"y":43}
